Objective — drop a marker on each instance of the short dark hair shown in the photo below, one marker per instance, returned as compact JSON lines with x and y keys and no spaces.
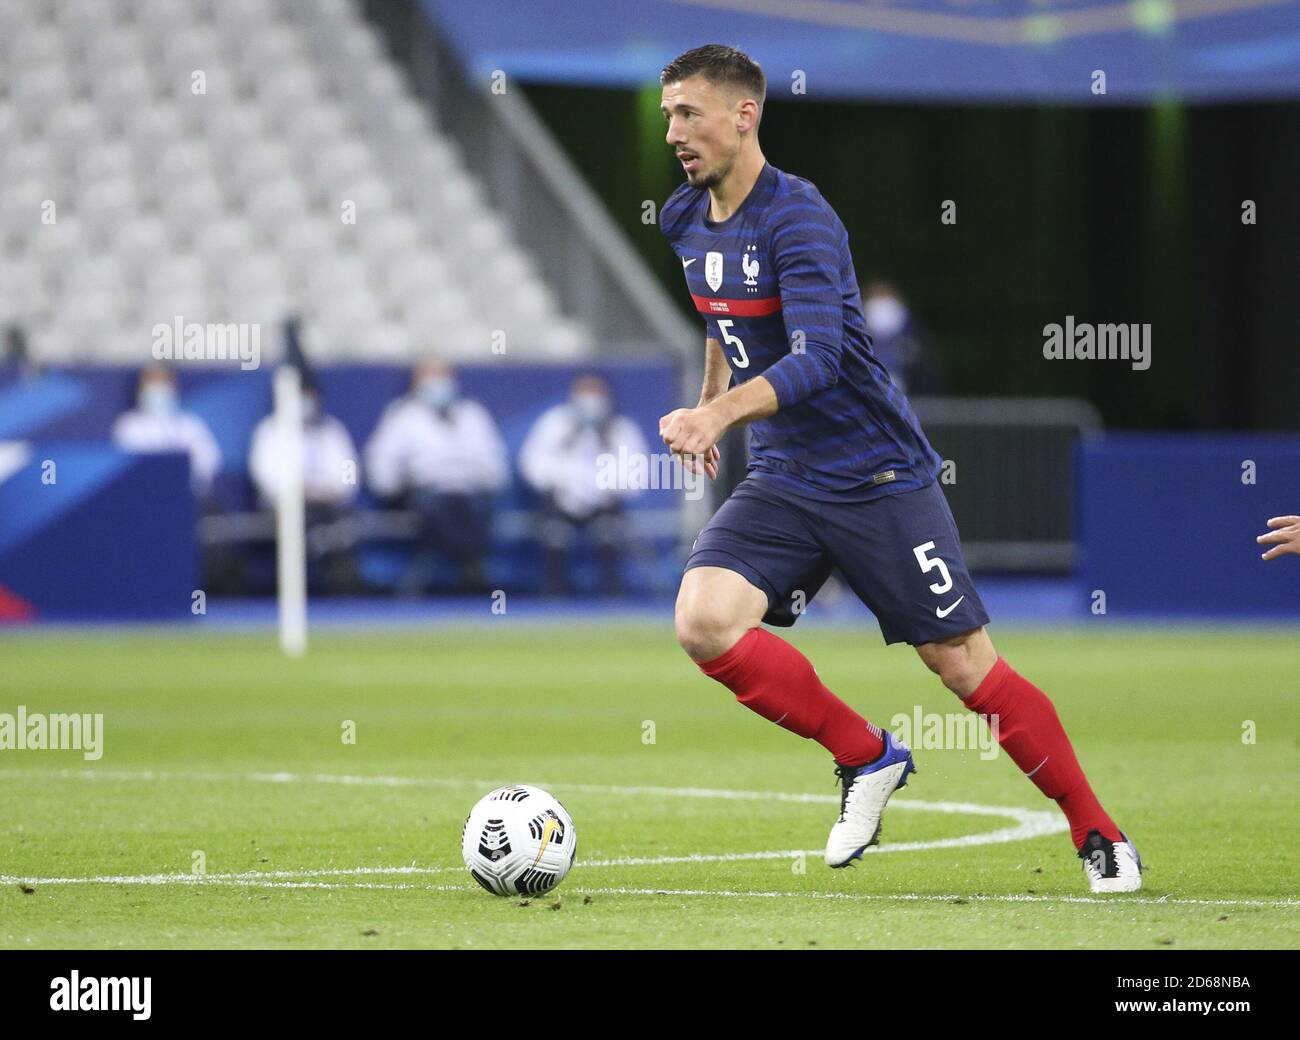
{"x":722,"y":66}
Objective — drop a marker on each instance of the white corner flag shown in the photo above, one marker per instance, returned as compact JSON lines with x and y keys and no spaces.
{"x":290,"y":533}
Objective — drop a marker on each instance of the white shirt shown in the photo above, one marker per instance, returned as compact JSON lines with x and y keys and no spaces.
{"x":329,"y":461}
{"x":416,"y":447}
{"x":563,"y":457}
{"x":150,"y":432}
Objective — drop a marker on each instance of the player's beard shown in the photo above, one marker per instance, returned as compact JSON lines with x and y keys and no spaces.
{"x":711,"y":179}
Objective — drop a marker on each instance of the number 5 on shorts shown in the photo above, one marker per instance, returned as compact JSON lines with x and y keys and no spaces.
{"x":928,"y":564}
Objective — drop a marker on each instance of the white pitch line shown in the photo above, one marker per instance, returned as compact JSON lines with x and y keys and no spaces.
{"x":237,"y":878}
{"x":1121,"y":900}
{"x":247,"y":881}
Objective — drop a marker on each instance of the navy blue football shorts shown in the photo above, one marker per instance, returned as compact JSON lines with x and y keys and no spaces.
{"x":900,"y":554}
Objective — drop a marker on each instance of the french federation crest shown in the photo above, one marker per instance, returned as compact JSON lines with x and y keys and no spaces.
{"x":713,"y":270}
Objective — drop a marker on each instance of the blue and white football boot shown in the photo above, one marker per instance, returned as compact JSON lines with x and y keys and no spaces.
{"x":865,"y":790}
{"x":1111,"y":866}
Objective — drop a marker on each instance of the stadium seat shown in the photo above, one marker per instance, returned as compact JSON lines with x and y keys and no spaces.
{"x":228,"y":203}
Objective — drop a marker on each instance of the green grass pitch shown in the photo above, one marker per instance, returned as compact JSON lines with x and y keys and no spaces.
{"x":219,"y":752}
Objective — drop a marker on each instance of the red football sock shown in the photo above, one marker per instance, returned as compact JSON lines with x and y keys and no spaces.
{"x":772,"y":678}
{"x":1031,"y":734}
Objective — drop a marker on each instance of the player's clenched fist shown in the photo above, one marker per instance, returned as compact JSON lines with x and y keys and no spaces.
{"x":692,"y":432}
{"x":1285,"y":536}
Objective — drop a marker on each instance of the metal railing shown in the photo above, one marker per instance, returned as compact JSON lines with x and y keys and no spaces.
{"x":1010,"y":475}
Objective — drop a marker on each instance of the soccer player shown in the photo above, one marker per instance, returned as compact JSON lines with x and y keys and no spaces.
{"x":840,"y":475}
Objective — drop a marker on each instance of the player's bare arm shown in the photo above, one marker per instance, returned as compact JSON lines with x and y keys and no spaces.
{"x":717,"y":373}
{"x":1284,"y":537}
{"x":717,"y":377}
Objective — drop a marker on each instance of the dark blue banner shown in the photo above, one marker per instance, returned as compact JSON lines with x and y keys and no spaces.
{"x":1012,"y":50}
{"x":1167,"y":523}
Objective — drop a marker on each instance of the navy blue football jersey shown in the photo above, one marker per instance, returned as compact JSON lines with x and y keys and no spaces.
{"x":776,"y":285}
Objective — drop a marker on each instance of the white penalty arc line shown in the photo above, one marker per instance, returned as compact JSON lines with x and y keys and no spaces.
{"x":1029,"y":823}
{"x":348,"y":780}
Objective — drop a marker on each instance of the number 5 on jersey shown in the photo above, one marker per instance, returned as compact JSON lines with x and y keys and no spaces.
{"x":741,"y":360}
{"x":928,"y":564}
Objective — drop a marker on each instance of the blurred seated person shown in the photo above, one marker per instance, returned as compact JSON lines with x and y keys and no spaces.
{"x":560,"y":461}
{"x":329,"y":477}
{"x":898,"y":340}
{"x":441,"y":455}
{"x":157,"y":424}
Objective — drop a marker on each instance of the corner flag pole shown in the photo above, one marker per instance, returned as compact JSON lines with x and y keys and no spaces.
{"x":291,"y":548}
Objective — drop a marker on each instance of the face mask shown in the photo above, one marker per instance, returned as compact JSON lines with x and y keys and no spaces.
{"x":437,"y":391}
{"x":885,"y":315}
{"x":592,"y":409}
{"x":157,"y":399}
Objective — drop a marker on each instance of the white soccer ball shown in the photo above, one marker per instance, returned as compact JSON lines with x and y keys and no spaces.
{"x":519,"y":840}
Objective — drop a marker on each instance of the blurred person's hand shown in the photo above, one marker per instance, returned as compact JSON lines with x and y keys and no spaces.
{"x":1285,"y":536}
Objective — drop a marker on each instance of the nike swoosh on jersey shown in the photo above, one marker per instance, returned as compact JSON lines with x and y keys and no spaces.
{"x":943,"y":612}
{"x":687,"y":261}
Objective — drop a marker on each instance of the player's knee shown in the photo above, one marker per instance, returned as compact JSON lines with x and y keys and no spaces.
{"x":960,"y":665}
{"x":939,"y":659}
{"x":704,"y":634}
{"x":959,"y":675}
